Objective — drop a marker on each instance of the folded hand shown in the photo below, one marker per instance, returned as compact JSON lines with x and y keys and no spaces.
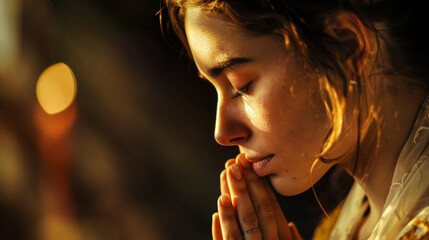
{"x":248,"y":208}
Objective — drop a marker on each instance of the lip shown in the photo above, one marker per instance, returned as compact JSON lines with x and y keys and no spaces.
{"x":261,"y":165}
{"x":257,"y":159}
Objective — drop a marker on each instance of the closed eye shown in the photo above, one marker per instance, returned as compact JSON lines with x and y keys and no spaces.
{"x":242,"y":91}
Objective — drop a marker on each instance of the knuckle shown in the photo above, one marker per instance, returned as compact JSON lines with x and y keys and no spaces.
{"x":250,"y":218}
{"x":266,"y":207}
{"x":229,"y":216}
{"x":241,"y":188}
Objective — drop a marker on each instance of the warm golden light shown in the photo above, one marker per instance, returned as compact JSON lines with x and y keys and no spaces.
{"x":56,"y":88}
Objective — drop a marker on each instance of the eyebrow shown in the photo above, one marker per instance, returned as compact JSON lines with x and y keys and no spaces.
{"x":227,"y":64}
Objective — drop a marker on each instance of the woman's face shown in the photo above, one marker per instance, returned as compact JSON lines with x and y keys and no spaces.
{"x":268,"y":101}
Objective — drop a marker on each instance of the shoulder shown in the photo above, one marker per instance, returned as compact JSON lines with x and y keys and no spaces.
{"x":417,"y":228}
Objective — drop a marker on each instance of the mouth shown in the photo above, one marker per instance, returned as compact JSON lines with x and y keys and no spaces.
{"x":261,"y":166}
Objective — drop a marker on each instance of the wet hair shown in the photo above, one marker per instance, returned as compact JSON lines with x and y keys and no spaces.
{"x":400,"y":26}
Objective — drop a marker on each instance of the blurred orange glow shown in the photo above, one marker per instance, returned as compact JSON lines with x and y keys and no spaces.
{"x":56,"y":88}
{"x":55,"y":127}
{"x":54,"y":228}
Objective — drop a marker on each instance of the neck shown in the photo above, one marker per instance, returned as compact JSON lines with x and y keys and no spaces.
{"x":374,"y":172}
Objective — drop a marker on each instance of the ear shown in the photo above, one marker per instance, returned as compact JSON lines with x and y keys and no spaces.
{"x":356,"y":42}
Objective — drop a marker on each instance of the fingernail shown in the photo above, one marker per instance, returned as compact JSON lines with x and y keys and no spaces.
{"x":225,"y":201}
{"x":236,"y":171}
{"x":243,"y":161}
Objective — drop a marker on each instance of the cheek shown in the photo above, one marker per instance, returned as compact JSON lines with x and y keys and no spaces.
{"x":280,"y":111}
{"x":259,"y":115}
{"x":298,"y":123}
{"x":304,"y":113}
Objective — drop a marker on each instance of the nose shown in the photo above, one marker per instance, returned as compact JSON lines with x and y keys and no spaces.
{"x":231,"y":128}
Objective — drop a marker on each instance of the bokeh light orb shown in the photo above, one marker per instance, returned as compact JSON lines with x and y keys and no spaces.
{"x":56,"y":88}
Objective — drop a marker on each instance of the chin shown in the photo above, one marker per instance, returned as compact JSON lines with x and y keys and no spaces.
{"x":289,"y":187}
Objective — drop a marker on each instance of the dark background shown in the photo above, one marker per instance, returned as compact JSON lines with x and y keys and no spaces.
{"x":141,"y":160}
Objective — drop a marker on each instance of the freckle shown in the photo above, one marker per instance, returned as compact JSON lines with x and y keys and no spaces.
{"x":291,"y":90}
{"x":294,"y":178}
{"x":287,"y":171}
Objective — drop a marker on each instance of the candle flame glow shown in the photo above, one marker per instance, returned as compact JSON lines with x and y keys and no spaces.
{"x":56,"y":88}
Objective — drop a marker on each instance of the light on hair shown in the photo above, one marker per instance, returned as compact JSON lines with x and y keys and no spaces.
{"x":335,"y":109}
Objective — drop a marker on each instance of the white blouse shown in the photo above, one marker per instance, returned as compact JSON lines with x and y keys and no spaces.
{"x":406,"y":210}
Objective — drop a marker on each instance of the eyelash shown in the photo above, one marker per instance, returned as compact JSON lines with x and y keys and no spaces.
{"x":242,"y":91}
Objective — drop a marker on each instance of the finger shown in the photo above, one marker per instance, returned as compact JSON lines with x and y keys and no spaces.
{"x":241,"y":159}
{"x":294,"y":232}
{"x":246,"y":214}
{"x":262,"y":204}
{"x":223,"y":182}
{"x":216,"y":229}
{"x":228,"y":222}
{"x":224,"y":189}
{"x":282,"y":224}
{"x":229,"y":162}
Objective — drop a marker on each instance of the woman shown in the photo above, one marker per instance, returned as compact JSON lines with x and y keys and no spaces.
{"x":306,"y":85}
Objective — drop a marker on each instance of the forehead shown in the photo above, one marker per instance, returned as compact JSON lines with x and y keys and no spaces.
{"x":212,"y":38}
{"x":210,"y":35}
